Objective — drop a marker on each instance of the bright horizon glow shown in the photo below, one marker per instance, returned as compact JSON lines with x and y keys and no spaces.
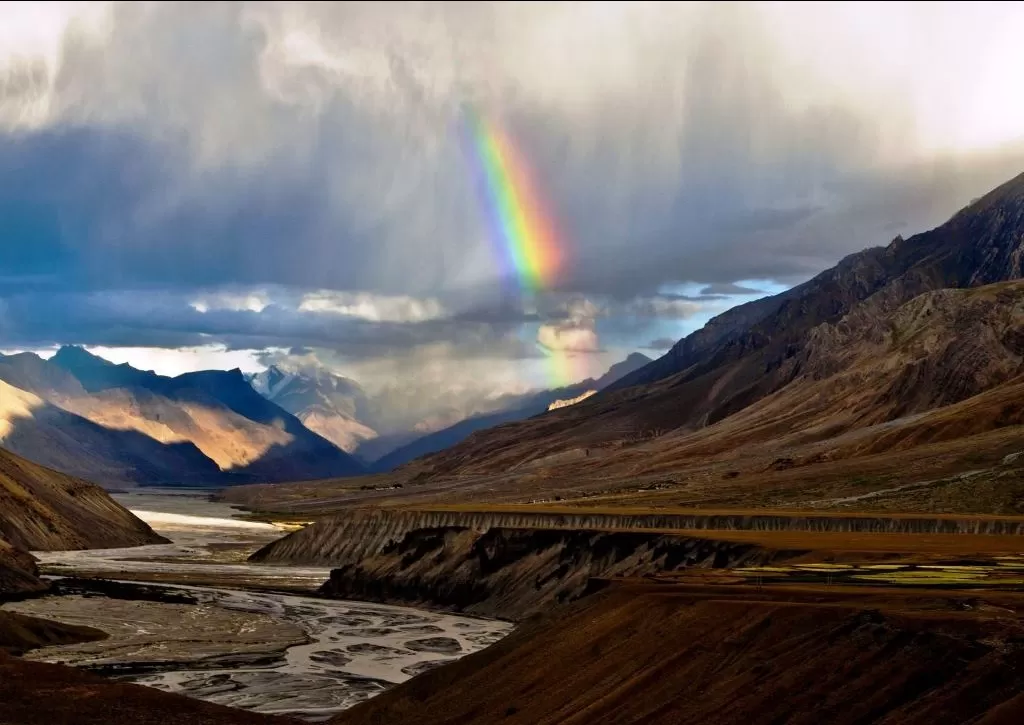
{"x":178,"y":362}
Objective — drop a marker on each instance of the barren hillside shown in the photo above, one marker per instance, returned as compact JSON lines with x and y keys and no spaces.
{"x":758,"y":349}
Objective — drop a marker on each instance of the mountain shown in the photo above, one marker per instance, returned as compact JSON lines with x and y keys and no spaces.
{"x":891,"y":382}
{"x":332,"y":406}
{"x":112,"y":423}
{"x":41,"y":509}
{"x":634,"y":362}
{"x":517,"y":408}
{"x":758,"y":349}
{"x":73,"y":444}
{"x":96,"y":374}
{"x":979,"y":245}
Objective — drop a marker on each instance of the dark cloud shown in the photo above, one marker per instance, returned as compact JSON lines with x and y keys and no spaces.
{"x":185,"y":150}
{"x":226,"y":165}
{"x":500,"y":315}
{"x":164,"y":319}
{"x":720,"y":289}
{"x":661,"y":344}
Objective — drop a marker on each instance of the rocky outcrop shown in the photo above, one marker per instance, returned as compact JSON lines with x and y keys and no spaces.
{"x":940,"y":348}
{"x":515,"y":573}
{"x":499,"y":565}
{"x":18,"y":573}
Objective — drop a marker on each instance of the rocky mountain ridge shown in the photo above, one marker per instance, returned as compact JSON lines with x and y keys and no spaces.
{"x":332,"y":406}
{"x":115,"y":424}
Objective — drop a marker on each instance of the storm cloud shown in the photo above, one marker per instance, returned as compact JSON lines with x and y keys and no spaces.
{"x":293,"y":175}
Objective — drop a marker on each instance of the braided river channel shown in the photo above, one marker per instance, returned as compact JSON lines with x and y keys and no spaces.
{"x":194,"y":617}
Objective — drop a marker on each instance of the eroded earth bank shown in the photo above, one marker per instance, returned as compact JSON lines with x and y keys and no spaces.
{"x":515,"y":563}
{"x":692,"y":617}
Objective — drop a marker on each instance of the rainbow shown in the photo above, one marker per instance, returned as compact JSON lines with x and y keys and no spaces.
{"x":520,"y":227}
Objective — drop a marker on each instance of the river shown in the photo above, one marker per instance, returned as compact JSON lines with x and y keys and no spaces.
{"x":234,"y":633}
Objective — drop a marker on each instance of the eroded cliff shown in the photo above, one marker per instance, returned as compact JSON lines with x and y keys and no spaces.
{"x":516,"y":573}
{"x":43,"y":510}
{"x":515,"y":563}
{"x":356,"y":535}
{"x":501,"y":565}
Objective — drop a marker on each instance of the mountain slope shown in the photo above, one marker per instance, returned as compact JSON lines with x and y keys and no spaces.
{"x":73,"y":444}
{"x":331,"y":406}
{"x":948,"y":364}
{"x":41,"y":509}
{"x":981,"y":244}
{"x":113,"y":423}
{"x":657,"y":654}
{"x":523,"y":407}
{"x":757,"y":349}
{"x":301,"y":455}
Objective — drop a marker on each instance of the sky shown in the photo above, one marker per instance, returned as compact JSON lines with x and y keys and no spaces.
{"x":186,"y":186}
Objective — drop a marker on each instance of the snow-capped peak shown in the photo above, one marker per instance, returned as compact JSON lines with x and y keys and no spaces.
{"x":271,"y":381}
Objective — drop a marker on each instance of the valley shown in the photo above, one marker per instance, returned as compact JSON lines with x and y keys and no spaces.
{"x":262,"y":646}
